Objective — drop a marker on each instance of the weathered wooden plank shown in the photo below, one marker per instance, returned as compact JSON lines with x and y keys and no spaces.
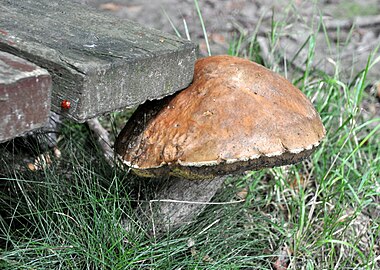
{"x":24,"y":96}
{"x":98,"y":62}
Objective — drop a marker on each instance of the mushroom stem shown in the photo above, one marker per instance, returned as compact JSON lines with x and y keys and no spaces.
{"x":178,"y":202}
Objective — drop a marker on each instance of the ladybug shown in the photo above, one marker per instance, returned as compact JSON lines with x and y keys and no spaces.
{"x":65,"y":104}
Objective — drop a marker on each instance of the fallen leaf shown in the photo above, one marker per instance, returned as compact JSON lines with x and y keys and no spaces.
{"x":190,"y":242}
{"x":218,"y":38}
{"x":111,"y":6}
{"x":242,"y":194}
{"x":282,"y":261}
{"x":203,"y":48}
{"x":207,"y":258}
{"x":57,"y":152}
{"x":41,"y":162}
{"x":294,"y":184}
{"x":31,"y":167}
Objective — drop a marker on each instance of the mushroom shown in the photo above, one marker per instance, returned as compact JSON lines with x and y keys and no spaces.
{"x":235,"y":116}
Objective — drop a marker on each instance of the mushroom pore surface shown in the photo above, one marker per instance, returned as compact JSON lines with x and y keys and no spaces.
{"x":235,"y":116}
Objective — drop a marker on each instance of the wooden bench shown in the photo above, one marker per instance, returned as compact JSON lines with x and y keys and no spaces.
{"x":97,"y":62}
{"x":24,"y":96}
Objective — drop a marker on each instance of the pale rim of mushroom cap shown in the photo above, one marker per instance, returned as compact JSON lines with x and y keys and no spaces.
{"x":219,"y":161}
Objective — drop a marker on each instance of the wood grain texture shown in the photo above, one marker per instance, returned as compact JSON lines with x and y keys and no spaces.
{"x":98,"y":62}
{"x":24,"y":96}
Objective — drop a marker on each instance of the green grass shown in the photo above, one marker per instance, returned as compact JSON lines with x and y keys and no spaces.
{"x":323,"y":213}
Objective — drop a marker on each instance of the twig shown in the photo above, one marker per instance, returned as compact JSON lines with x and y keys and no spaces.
{"x":360,"y":21}
{"x":195,"y":202}
{"x":152,"y":218}
{"x":102,"y":136}
{"x":66,"y":215}
{"x":209,"y":226}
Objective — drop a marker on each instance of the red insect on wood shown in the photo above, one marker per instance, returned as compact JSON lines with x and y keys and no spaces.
{"x":65,"y":104}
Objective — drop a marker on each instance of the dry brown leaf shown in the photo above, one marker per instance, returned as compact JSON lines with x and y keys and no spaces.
{"x":242,"y":194}
{"x":190,"y":242}
{"x":57,"y":153}
{"x":207,"y":258}
{"x":31,"y":167}
{"x":282,"y":261}
{"x":294,"y":184}
{"x":111,"y":6}
{"x":41,"y":162}
{"x":218,"y":38}
{"x":193,"y":251}
{"x":203,"y":48}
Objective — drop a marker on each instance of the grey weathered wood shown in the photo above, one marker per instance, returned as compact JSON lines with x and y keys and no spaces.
{"x":98,"y":62}
{"x":24,"y":96}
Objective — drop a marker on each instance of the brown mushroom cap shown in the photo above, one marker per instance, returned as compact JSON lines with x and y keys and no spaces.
{"x":235,"y":116}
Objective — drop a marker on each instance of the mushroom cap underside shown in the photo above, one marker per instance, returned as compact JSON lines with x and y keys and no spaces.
{"x":235,"y":116}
